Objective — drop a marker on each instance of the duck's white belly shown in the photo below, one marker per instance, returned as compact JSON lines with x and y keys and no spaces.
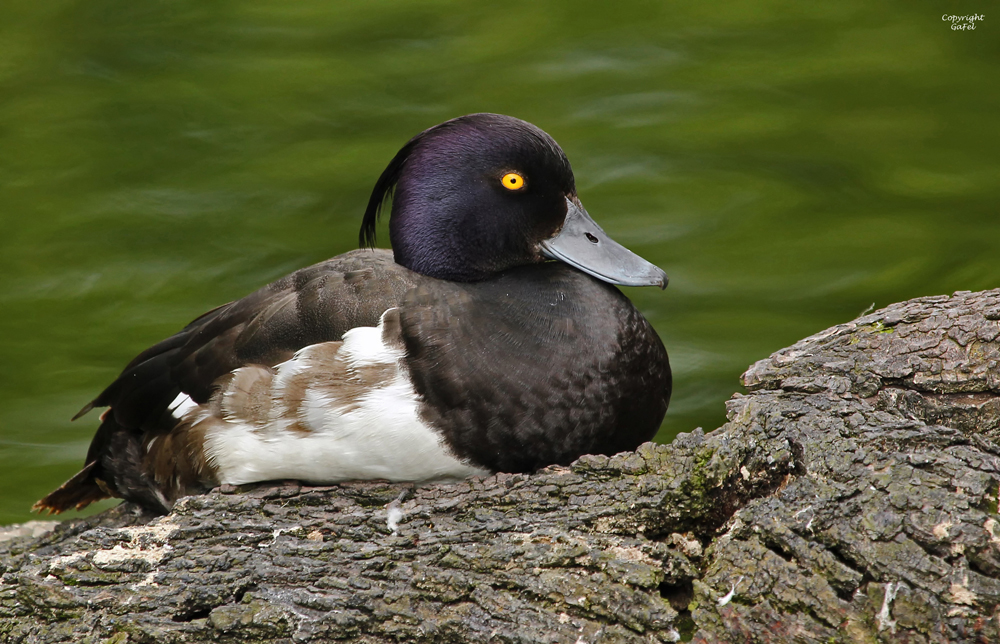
{"x":335,"y":411}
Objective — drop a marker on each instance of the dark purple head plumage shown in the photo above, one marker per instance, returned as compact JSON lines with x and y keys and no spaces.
{"x":451,"y":216}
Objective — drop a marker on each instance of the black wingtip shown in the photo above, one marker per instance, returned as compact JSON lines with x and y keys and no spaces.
{"x":83,"y":412}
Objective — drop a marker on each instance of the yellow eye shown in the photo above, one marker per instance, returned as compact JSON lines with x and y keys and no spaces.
{"x":512,"y":181}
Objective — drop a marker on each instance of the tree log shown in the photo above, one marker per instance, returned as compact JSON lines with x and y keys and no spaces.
{"x":851,"y":497}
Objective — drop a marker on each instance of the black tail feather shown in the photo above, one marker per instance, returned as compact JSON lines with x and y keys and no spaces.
{"x":78,"y":492}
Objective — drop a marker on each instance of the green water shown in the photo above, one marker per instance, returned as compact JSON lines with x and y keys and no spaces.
{"x":787,"y":163}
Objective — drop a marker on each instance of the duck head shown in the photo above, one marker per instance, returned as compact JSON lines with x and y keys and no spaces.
{"x":482,"y":193}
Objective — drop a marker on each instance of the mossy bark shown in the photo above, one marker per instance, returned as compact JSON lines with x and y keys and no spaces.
{"x":851,"y":497}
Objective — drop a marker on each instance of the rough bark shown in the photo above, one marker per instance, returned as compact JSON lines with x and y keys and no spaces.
{"x":851,"y":497}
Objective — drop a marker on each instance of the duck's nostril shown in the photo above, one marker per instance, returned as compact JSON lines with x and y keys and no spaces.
{"x":593,"y":240}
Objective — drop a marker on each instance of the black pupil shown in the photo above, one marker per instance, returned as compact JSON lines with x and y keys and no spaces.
{"x":593,"y":240}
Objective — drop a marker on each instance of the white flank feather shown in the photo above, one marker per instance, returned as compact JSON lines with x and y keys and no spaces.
{"x":380,"y":435}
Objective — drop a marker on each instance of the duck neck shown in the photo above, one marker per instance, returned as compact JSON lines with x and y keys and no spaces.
{"x":438,"y":254}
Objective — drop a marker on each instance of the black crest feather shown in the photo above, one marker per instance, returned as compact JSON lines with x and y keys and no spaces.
{"x":382,"y":192}
{"x":387,"y":182}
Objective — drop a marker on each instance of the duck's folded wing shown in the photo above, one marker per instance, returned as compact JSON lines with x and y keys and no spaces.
{"x":316,"y":304}
{"x":313,"y":305}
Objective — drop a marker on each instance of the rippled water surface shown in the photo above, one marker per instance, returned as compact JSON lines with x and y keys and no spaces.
{"x":788,"y":164}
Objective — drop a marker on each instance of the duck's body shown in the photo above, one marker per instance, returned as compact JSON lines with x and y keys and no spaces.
{"x":359,"y":367}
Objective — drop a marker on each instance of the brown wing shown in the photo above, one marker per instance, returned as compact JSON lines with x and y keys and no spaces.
{"x":315,"y":304}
